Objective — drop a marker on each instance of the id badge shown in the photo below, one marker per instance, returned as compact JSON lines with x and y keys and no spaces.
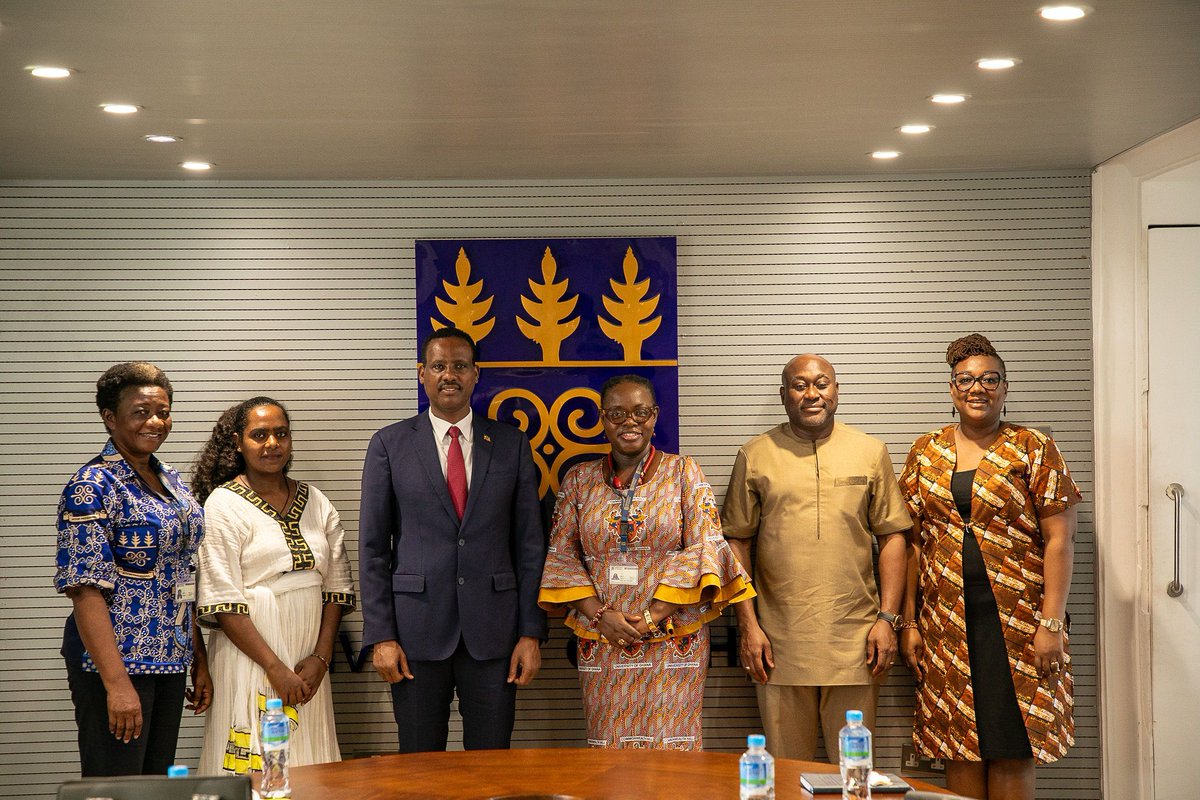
{"x":623,"y":574}
{"x":185,"y":592}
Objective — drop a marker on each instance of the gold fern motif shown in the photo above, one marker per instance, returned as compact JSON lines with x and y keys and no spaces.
{"x":550,"y":326}
{"x":631,"y":311}
{"x":465,"y":310}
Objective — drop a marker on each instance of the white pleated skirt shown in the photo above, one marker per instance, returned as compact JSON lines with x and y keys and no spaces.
{"x":287,"y":613}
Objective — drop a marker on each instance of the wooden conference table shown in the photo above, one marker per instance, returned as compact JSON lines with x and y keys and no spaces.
{"x":573,"y":773}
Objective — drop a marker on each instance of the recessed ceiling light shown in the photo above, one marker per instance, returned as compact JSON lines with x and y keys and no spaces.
{"x":161,"y":138}
{"x":885,"y":154}
{"x":915,"y":128}
{"x":120,"y":108}
{"x":997,"y":63}
{"x":198,"y":166}
{"x":949,"y":99}
{"x":50,"y":72}
{"x":1063,"y":13}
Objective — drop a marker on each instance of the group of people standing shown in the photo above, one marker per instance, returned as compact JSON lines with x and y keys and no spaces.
{"x":457,"y":576}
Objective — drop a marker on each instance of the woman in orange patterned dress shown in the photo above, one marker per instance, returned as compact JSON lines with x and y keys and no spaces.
{"x":989,"y":645}
{"x":637,"y":556}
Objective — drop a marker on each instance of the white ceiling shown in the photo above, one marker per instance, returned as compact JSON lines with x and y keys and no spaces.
{"x":308,"y":89}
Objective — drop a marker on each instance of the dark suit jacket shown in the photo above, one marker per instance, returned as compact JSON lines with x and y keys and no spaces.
{"x":427,"y":579}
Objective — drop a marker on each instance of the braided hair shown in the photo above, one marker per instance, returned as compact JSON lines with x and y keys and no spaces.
{"x":219,"y":460}
{"x":973,"y":344}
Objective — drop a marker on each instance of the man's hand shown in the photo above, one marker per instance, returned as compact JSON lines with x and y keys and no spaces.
{"x":881,"y":648}
{"x":525,"y":662}
{"x":754,"y":651}
{"x":390,"y":662}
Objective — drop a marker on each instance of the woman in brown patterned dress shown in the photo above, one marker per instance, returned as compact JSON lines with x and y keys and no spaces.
{"x":637,"y":556}
{"x":989,"y":645}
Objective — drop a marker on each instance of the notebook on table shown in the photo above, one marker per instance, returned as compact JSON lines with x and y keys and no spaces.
{"x":831,"y":783}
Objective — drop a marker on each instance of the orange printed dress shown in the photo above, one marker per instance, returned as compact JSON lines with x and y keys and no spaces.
{"x":648,"y":694}
{"x":1021,"y":479}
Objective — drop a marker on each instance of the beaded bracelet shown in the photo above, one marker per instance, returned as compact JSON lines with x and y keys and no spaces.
{"x":600,"y":614}
{"x":906,"y":624}
{"x":668,"y":626}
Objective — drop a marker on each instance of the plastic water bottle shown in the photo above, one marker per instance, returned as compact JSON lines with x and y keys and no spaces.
{"x":177,"y":771}
{"x":855,"y":744}
{"x":274,"y":740}
{"x":756,"y":770}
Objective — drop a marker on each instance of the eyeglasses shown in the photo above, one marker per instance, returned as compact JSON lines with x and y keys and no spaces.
{"x":963,"y":381}
{"x":618,"y":415}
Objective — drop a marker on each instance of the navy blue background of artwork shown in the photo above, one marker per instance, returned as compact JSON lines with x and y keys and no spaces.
{"x":506,"y":266}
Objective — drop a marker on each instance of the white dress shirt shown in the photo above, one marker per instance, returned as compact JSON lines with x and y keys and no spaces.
{"x":441,"y":435}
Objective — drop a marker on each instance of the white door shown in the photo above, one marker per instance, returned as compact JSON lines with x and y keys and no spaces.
{"x":1174,"y":405}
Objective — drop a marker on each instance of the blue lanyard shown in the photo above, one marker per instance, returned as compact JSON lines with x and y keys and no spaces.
{"x":625,"y":526}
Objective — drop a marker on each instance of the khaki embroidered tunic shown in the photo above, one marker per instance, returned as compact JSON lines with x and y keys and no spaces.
{"x":815,"y":509}
{"x":1021,"y":479}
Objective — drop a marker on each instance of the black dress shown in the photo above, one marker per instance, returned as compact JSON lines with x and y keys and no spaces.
{"x":998,"y":720}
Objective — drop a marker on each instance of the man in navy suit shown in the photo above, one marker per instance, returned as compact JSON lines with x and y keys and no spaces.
{"x":451,"y":550}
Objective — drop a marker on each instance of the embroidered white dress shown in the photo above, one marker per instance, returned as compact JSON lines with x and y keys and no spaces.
{"x":280,"y":570}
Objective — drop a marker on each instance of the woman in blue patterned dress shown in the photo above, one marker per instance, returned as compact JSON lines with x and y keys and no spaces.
{"x":128,"y":531}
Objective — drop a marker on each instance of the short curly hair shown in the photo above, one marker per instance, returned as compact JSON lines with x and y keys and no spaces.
{"x":636,"y":380}
{"x":126,"y":375}
{"x":973,"y":344}
{"x":219,"y":460}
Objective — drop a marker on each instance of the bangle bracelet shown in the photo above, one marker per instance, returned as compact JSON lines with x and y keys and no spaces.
{"x":599,"y":614}
{"x":324,"y":660}
{"x":653,"y":628}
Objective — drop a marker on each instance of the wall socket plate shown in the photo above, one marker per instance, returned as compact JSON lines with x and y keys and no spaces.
{"x":911,"y":763}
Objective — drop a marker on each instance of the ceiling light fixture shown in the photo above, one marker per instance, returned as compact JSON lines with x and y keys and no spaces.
{"x":120,"y":108}
{"x":997,"y":63}
{"x":885,"y":154}
{"x":50,"y":72}
{"x":196,"y":166}
{"x":915,"y":128}
{"x":949,"y":99}
{"x":161,"y":138}
{"x":1063,"y":13}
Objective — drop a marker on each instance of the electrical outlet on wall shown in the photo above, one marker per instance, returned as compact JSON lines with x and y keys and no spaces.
{"x":911,"y":763}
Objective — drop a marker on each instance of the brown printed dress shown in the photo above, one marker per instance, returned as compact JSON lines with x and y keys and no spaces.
{"x":1020,"y":479}
{"x":649,"y":694}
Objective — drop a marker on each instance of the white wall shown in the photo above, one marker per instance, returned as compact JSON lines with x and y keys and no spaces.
{"x":1153,"y":184}
{"x":305,"y":291}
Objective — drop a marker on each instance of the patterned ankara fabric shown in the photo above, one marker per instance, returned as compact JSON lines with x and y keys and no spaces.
{"x":1021,"y":478}
{"x":280,"y":570}
{"x":116,"y":534}
{"x":649,"y":694}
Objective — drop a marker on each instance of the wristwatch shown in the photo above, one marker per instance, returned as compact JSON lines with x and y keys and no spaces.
{"x":1052,"y":624}
{"x":894,"y":620}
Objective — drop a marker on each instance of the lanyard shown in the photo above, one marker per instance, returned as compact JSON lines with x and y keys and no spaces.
{"x":625,"y":526}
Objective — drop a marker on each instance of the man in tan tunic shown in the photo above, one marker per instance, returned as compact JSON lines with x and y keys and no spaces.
{"x":815,"y":496}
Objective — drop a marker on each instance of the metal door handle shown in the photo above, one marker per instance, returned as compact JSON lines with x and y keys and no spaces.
{"x":1175,"y":492}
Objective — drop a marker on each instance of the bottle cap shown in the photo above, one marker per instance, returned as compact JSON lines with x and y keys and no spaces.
{"x":756,"y":740}
{"x":177,"y":771}
{"x":275,"y":704}
{"x":851,"y":716}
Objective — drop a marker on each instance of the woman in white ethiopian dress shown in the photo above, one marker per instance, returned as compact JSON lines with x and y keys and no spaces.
{"x":274,"y":582}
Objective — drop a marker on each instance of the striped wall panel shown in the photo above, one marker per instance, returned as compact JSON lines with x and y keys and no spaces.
{"x":305,"y":291}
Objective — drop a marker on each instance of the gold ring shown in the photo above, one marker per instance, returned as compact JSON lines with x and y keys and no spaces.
{"x":621,"y":642}
{"x":1055,"y":667}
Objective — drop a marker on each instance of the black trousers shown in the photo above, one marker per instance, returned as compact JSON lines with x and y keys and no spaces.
{"x":100,"y":753}
{"x":486,"y":702}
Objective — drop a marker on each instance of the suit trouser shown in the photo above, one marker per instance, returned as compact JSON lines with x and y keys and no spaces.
{"x":791,"y":714}
{"x":100,"y":753}
{"x":486,"y":701}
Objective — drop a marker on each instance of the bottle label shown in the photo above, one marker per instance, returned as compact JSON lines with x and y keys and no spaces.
{"x":753,"y":774}
{"x":856,"y":747}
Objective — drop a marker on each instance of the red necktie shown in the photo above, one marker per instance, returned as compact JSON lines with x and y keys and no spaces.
{"x":456,"y":472}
